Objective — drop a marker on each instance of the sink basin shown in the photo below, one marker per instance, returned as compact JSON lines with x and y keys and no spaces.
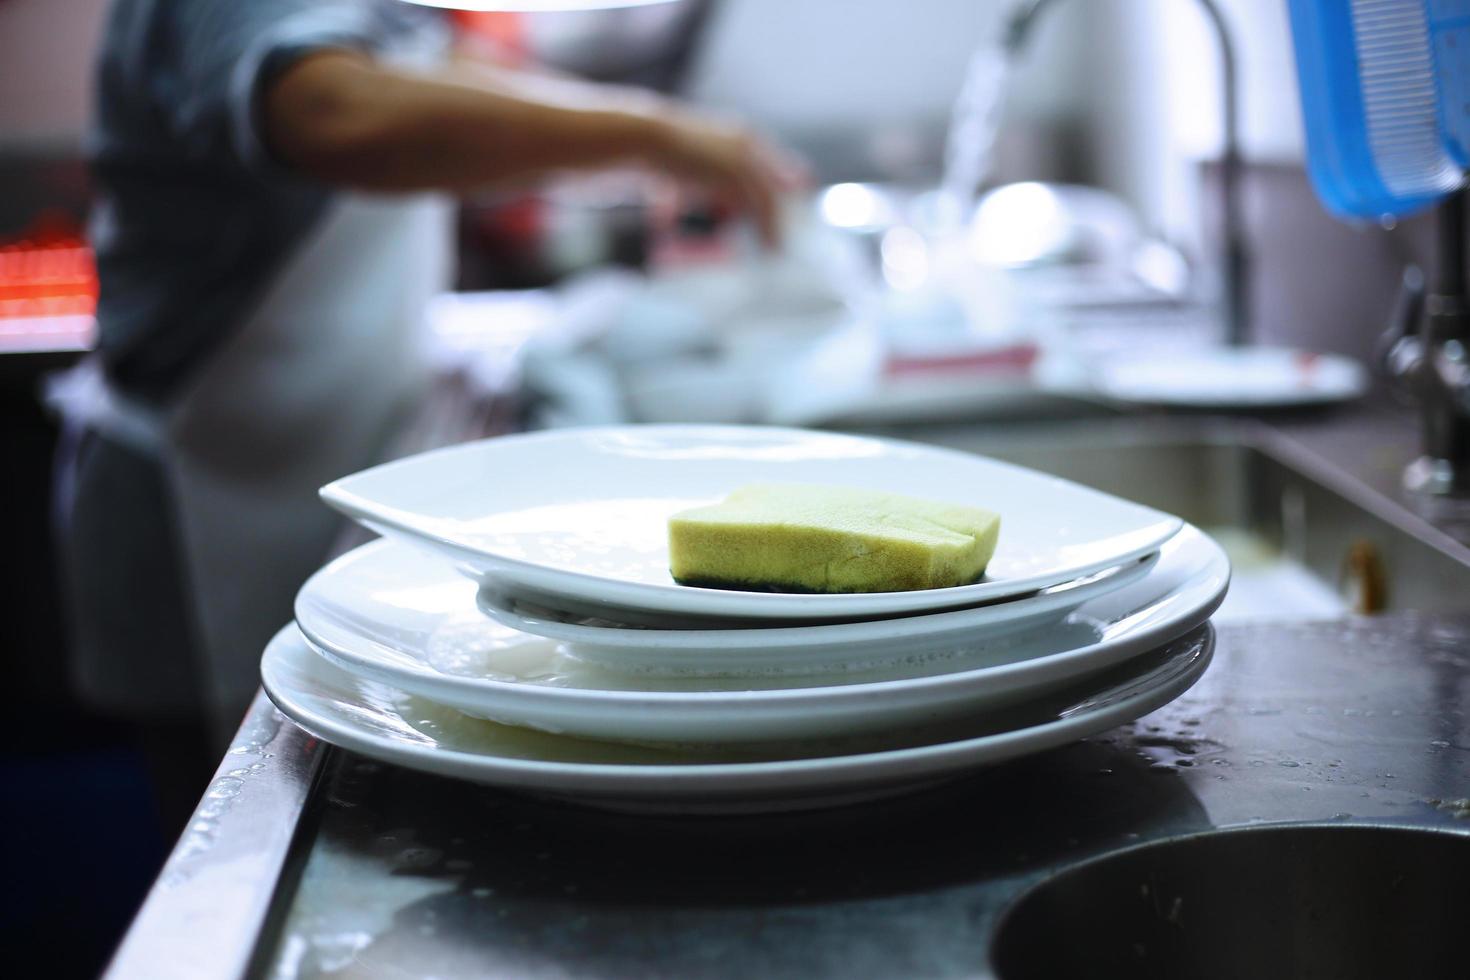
{"x":1306,"y":542}
{"x":1289,"y":901}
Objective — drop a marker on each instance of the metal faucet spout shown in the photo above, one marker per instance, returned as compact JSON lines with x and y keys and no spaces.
{"x":1234,"y":256}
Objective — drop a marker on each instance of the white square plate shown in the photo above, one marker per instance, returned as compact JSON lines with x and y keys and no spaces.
{"x":577,"y":519}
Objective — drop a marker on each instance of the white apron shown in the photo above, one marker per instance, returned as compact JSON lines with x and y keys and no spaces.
{"x":309,"y":388}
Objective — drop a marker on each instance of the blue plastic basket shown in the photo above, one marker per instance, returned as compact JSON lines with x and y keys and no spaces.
{"x":1385,"y":89}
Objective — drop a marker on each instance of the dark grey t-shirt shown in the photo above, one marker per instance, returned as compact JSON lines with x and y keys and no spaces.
{"x":193,"y":218}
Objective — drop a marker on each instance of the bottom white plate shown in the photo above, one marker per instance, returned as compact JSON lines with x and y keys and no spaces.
{"x":386,"y":724}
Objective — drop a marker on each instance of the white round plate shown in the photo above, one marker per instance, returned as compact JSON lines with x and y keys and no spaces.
{"x":1232,"y":377}
{"x":578,"y":518}
{"x":794,"y":650}
{"x":385,"y":724}
{"x":426,"y":637}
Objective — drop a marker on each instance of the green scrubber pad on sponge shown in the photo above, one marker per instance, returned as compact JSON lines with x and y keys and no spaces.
{"x":806,"y":538}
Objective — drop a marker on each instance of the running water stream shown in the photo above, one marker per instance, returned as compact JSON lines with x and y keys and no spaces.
{"x":974,"y":122}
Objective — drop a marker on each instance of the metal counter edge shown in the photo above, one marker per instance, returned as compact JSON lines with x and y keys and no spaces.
{"x":210,"y":905}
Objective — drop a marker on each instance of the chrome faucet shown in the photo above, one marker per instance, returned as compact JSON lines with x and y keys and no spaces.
{"x":1235,"y":268}
{"x":1427,"y":351}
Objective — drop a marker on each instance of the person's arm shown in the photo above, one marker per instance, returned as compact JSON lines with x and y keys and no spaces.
{"x":342,"y":118}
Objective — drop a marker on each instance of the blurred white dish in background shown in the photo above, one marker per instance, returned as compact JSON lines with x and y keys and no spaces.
{"x":578,"y":519}
{"x":1231,"y":377}
{"x":410,"y":622}
{"x":1033,"y":223}
{"x":386,"y":724}
{"x":858,"y":207}
{"x":689,"y":343}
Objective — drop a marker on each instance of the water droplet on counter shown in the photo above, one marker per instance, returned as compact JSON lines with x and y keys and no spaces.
{"x":1289,"y":764}
{"x":337,"y":950}
{"x":419,"y":857}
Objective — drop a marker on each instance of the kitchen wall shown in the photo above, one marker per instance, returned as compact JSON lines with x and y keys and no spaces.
{"x":1154,"y":127}
{"x":45,"y":97}
{"x":1132,"y":85}
{"x":1135,"y":78}
{"x":868,"y":84}
{"x":1121,"y":93}
{"x":1124,"y":94}
{"x":45,"y":70}
{"x":1154,"y":103}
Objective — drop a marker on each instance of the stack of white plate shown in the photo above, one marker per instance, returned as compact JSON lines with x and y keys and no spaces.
{"x":518,"y":625}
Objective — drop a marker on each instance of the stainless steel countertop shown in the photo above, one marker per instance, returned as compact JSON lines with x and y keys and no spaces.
{"x":394,"y":873}
{"x":305,"y":860}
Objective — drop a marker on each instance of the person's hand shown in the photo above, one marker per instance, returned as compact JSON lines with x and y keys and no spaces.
{"x":728,"y":159}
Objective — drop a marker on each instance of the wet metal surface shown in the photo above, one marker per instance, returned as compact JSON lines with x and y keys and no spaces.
{"x":214,"y":896}
{"x":1358,"y":721}
{"x":1322,"y":494}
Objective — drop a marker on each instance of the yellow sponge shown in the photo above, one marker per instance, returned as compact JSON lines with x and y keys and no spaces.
{"x":805,"y":538}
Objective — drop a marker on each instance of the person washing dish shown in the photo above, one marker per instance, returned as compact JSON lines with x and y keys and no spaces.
{"x":272,"y":216}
